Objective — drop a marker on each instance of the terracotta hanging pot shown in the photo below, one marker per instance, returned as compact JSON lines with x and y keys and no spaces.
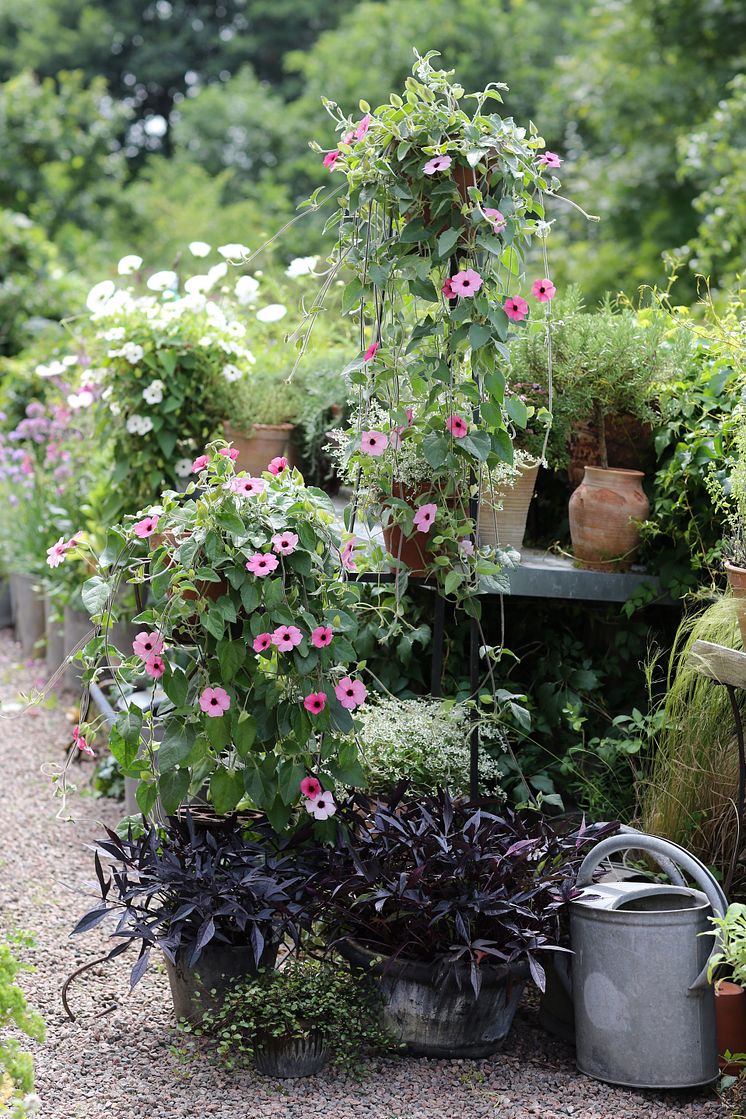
{"x":414,"y":550}
{"x":737,"y":584}
{"x":605,"y":511}
{"x":730,"y":1022}
{"x":267,"y":441}
{"x":503,"y":510}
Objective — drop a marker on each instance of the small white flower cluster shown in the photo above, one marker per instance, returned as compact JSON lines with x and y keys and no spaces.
{"x":130,"y":351}
{"x":139,"y":425}
{"x":153,"y":394}
{"x":56,"y":368}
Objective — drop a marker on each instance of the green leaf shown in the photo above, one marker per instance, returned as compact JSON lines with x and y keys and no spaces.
{"x":347,"y":769}
{"x":125,"y":752}
{"x":231,"y":655}
{"x":424,"y":289}
{"x":146,"y":795}
{"x":413,"y":232}
{"x":244,"y":733}
{"x":517,"y":411}
{"x":250,"y":596}
{"x":176,"y":745}
{"x":218,"y":731}
{"x":435,"y":449}
{"x":175,"y":685}
{"x":231,"y":522}
{"x":129,"y":724}
{"x":95,"y":595}
{"x":172,"y":788}
{"x":447,"y":240}
{"x":226,"y":789}
{"x":290,"y":774}
{"x":454,"y":579}
{"x":214,"y":622}
{"x":479,"y":335}
{"x":477,"y":444}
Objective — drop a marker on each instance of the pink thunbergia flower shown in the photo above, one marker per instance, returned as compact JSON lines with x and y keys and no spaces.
{"x":146,"y":527}
{"x":262,"y":563}
{"x":80,"y":742}
{"x":498,"y":221}
{"x":331,"y":158}
{"x":350,"y":693}
{"x":549,"y":159}
{"x":214,"y":702}
{"x":277,"y":465}
{"x":200,"y":463}
{"x":155,"y":667}
{"x":348,"y":136}
{"x":466,"y":546}
{"x":247,"y":487}
{"x":285,"y":543}
{"x":147,"y":645}
{"x":321,"y":807}
{"x":229,"y":452}
{"x":262,"y":642}
{"x":363,"y":127}
{"x":543,"y":290}
{"x":286,"y":638}
{"x":424,"y":517}
{"x":466,"y":283}
{"x":315,"y":702}
{"x":311,"y":786}
{"x":347,"y":555}
{"x":457,"y":426}
{"x":438,"y":163}
{"x":374,"y":443}
{"x":56,"y":554}
{"x":447,"y":289}
{"x":322,"y":636}
{"x":515,"y":308}
{"x":370,"y":353}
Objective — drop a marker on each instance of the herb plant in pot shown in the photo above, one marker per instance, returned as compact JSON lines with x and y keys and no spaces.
{"x":452,"y":907}
{"x":262,"y":410}
{"x":730,"y":992}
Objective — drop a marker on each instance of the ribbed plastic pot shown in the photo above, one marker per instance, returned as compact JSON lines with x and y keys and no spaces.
{"x":197,"y":990}
{"x":28,"y":611}
{"x":438,"y":1015}
{"x":287,"y":1058}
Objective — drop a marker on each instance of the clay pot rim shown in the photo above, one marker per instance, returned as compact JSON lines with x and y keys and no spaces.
{"x":734,"y":567}
{"x":262,"y":427}
{"x":616,"y":470}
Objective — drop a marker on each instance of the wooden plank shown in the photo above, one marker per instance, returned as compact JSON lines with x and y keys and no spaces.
{"x":719,"y":663}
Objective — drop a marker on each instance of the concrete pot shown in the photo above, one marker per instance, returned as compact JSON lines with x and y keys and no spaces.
{"x":55,"y":637}
{"x":737,"y":584}
{"x":28,"y":612}
{"x":503,"y":511}
{"x":604,"y":513}
{"x":77,"y":627}
{"x":196,"y":990}
{"x":267,"y":441}
{"x":287,"y":1058}
{"x":436,"y":1013}
{"x":6,"y":605}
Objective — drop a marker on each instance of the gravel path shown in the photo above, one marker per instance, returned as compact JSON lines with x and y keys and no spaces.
{"x":131,"y":1064}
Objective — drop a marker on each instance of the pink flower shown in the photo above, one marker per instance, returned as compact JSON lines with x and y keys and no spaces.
{"x":262,"y":642}
{"x":277,"y":465}
{"x":374,"y":443}
{"x":214,"y":702}
{"x":321,"y":807}
{"x":549,"y":159}
{"x":348,"y":137}
{"x":285,"y":543}
{"x":311,"y":786}
{"x":200,"y":463}
{"x":457,"y":426}
{"x":229,"y":452}
{"x":497,"y":220}
{"x":424,"y":517}
{"x":466,"y":283}
{"x":147,"y":645}
{"x":155,"y":667}
{"x":262,"y":563}
{"x":331,"y":158}
{"x":543,"y":290}
{"x":247,"y":487}
{"x":286,"y":638}
{"x":363,"y":127}
{"x":466,"y":546}
{"x":315,"y":703}
{"x":347,"y":555}
{"x":80,"y":742}
{"x":370,"y":353}
{"x":146,"y":527}
{"x":322,"y":636}
{"x":438,"y":163}
{"x":447,"y":289}
{"x":515,"y":308}
{"x":350,"y":693}
{"x":56,"y":554}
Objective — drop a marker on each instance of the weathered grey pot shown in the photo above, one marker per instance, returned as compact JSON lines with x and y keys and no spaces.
{"x":433,"y":1014}
{"x":6,"y":605}
{"x":55,"y":638}
{"x":287,"y":1058}
{"x":28,"y":612}
{"x":77,"y":628}
{"x":203,"y":988}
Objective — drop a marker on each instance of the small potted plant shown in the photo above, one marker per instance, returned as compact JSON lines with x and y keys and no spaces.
{"x":730,"y":997}
{"x":730,"y":498}
{"x":216,"y":903}
{"x":293,"y":1020}
{"x":262,"y":411}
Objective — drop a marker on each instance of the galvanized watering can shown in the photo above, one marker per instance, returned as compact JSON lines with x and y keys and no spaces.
{"x":644,"y":1009}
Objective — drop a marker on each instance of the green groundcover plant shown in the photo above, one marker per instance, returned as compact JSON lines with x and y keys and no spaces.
{"x":17,"y":1098}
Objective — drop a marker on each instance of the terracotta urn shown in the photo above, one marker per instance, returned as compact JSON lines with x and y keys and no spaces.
{"x":730,"y":1022}
{"x":737,"y":584}
{"x":605,"y":511}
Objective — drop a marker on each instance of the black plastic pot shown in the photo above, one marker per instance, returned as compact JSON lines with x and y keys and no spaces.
{"x":287,"y":1058}
{"x":435,"y":1013}
{"x":197,"y":990}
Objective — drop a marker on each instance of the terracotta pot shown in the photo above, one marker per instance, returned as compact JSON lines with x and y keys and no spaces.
{"x":604,"y":511}
{"x":267,"y":441}
{"x":730,"y":1022}
{"x":737,"y":583}
{"x":629,"y":445}
{"x":503,"y":510}
{"x":412,"y":550}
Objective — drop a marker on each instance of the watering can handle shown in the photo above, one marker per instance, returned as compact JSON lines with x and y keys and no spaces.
{"x":661,"y":847}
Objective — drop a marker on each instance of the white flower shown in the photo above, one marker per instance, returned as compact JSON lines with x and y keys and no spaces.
{"x":99,"y":295}
{"x":52,"y":370}
{"x":70,"y":360}
{"x":199,"y":248}
{"x":232,"y":373}
{"x":132,"y":352}
{"x":543,"y":228}
{"x":153,"y":394}
{"x":116,"y":334}
{"x":197,"y":285}
{"x":159,"y":281}
{"x":206,"y":340}
{"x":246,"y":290}
{"x":273,"y":312}
{"x":139,"y":425}
{"x":129,"y":264}
{"x":183,"y":467}
{"x":215,"y":315}
{"x":82,"y":399}
{"x":115,"y":408}
{"x":236,"y":329}
{"x":217,"y":272}
{"x":234,"y":251}
{"x":321,"y":807}
{"x":301,"y":266}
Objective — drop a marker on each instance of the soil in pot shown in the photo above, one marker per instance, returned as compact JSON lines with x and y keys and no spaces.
{"x":438,"y":1015}
{"x":503,"y":511}
{"x":287,"y":1058}
{"x":196,"y":990}
{"x":730,"y":1021}
{"x":267,"y":441}
{"x":737,"y":584}
{"x":605,"y":511}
